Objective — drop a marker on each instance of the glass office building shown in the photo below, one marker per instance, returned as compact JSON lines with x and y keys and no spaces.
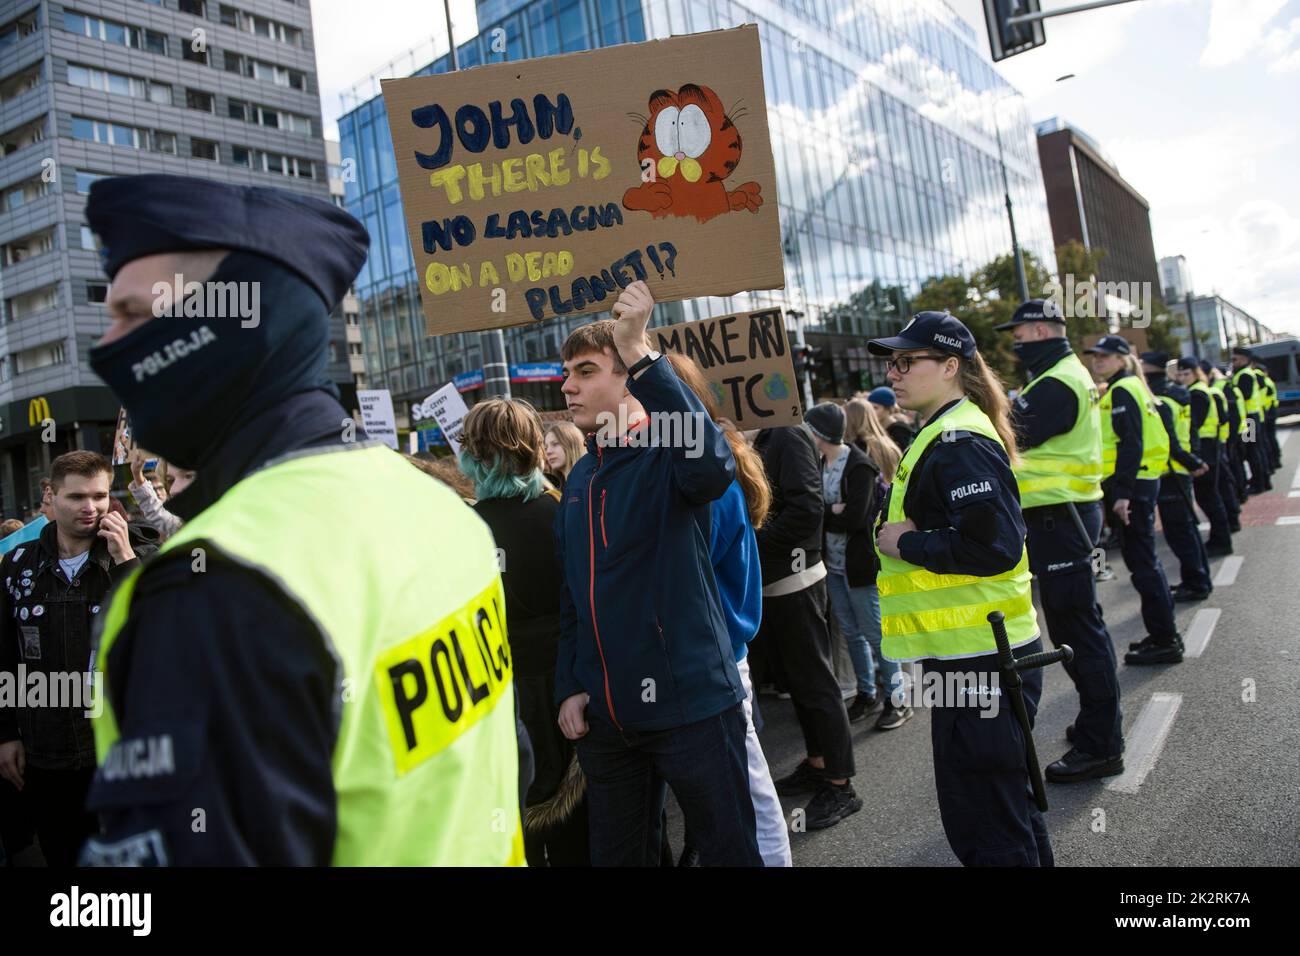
{"x":882,"y":114}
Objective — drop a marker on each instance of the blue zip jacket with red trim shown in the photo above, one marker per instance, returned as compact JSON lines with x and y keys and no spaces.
{"x":642,"y":625}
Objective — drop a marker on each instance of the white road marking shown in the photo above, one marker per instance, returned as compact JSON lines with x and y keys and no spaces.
{"x":1295,"y":479}
{"x":1198,"y":635}
{"x":1228,"y":571}
{"x":1289,"y":519}
{"x":1203,"y":526}
{"x":1293,"y":494}
{"x":1281,"y":439}
{"x":1146,"y":740}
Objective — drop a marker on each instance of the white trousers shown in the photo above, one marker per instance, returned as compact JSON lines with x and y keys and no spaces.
{"x":773,"y":835}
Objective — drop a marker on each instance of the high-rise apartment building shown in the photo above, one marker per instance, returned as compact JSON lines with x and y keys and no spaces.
{"x":95,"y":88}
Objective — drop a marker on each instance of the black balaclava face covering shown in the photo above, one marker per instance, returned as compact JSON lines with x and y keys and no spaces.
{"x":1032,"y":353}
{"x":187,"y":382}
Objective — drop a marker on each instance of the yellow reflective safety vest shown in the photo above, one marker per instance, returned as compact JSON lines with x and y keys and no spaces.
{"x":1270,"y":390}
{"x":1066,"y":467}
{"x":425,"y":761}
{"x":1233,"y":394}
{"x":926,"y":615}
{"x":1155,"y":440}
{"x":1255,"y":403}
{"x":1182,"y":415}
{"x":1210,"y":427}
{"x":1221,"y":410}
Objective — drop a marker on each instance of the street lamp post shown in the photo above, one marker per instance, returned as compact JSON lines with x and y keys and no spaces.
{"x":1021,"y":281}
{"x":492,"y":343}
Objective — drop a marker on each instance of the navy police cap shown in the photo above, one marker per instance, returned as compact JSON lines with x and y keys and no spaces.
{"x":1187,"y":363}
{"x":1110,"y":345}
{"x":933,"y":330}
{"x":1160,"y":359}
{"x":136,"y":216}
{"x":1035,"y":310}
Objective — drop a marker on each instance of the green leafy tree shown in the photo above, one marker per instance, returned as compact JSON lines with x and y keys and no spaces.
{"x":983,"y":301}
{"x":1079,"y":267}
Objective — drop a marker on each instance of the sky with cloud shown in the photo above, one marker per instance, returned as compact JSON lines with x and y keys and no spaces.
{"x":1196,"y":101}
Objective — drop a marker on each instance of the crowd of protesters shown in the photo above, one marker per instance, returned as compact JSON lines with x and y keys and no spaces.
{"x":625,"y":691}
{"x":762,"y":546}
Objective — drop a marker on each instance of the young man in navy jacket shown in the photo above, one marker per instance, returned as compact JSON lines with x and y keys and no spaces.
{"x":645,"y":676}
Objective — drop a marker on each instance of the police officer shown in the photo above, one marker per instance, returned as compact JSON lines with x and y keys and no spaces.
{"x":1253,"y":439}
{"x":281,"y":688}
{"x":1134,"y":453}
{"x":1270,"y":403}
{"x":1058,"y":427}
{"x":1223,"y":409}
{"x":951,"y":543}
{"x":1237,"y":421}
{"x":1177,"y":513}
{"x":1208,"y":421}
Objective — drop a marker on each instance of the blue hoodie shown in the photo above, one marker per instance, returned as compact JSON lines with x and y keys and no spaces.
{"x":642,"y":624}
{"x":733,"y":548}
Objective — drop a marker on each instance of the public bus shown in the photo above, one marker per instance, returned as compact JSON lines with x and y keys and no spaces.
{"x":1283,"y":361}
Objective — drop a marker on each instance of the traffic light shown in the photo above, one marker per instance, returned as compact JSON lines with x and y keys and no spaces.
{"x":805,"y":361}
{"x":1009,"y":39}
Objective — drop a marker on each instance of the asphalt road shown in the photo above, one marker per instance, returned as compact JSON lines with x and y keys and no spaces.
{"x":1224,"y":790}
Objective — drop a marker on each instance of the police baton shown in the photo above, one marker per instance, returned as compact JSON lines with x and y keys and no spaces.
{"x":1010,"y":668}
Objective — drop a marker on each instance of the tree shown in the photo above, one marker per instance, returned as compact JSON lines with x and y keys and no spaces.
{"x":1078,"y":265}
{"x":983,"y":301}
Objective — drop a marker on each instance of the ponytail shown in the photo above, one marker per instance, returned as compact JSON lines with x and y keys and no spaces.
{"x":983,"y":387}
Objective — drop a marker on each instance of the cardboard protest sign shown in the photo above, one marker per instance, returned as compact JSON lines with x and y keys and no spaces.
{"x":746,"y":358}
{"x":542,"y":187}
{"x":377,"y":414}
{"x":447,"y":408}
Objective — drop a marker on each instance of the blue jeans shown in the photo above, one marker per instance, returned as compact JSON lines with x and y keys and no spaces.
{"x":858,"y":612}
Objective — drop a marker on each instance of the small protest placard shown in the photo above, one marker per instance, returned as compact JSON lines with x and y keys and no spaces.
{"x":447,"y":408}
{"x":377,"y":414}
{"x":122,"y":440}
{"x":543,"y":187}
{"x":746,"y":358}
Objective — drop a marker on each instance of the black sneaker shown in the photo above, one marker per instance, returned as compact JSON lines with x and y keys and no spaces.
{"x":1218,"y":550}
{"x":831,"y":804}
{"x":1069,"y":733}
{"x":1184,"y":595}
{"x":862,"y":706}
{"x":805,"y":779}
{"x":894,"y":717}
{"x":1155,"y":654}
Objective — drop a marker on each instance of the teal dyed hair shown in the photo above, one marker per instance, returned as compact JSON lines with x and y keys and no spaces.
{"x":495,"y":481}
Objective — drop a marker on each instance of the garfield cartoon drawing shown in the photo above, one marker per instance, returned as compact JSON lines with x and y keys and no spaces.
{"x":688,"y":147}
